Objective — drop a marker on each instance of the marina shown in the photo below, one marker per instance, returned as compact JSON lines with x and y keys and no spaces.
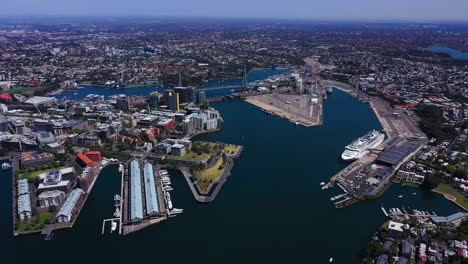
{"x":396,"y":213}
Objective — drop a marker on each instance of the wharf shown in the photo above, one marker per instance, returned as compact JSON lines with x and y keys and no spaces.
{"x":298,"y":109}
{"x":127,"y":227}
{"x":396,"y":213}
{"x":369,"y":177}
{"x":48,"y":230}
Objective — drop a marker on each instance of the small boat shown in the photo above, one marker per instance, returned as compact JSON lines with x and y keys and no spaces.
{"x":116,"y":200}
{"x":75,"y":93}
{"x":6,"y":166}
{"x":232,"y":90}
{"x":330,"y":260}
{"x":400,"y":196}
{"x":113,"y":226}
{"x":322,"y":183}
{"x":117,"y":212}
{"x":414,"y":193}
{"x":176,"y":211}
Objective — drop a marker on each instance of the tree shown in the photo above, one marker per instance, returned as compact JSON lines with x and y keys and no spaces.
{"x":430,"y":182}
{"x":463,"y":228}
{"x":374,"y":249}
{"x":452,"y":169}
{"x":465,"y":124}
{"x":433,"y":123}
{"x":460,"y":173}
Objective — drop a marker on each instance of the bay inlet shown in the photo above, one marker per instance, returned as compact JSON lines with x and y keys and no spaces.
{"x":271,"y":209}
{"x":455,"y":54}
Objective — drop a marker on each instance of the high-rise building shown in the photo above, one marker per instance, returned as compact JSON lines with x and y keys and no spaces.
{"x":198,"y":120}
{"x":191,"y":90}
{"x":154,"y":100}
{"x":201,"y":97}
{"x":187,"y":126}
{"x":207,"y":120}
{"x":171,"y":100}
{"x":186,"y":94}
{"x":122,"y":103}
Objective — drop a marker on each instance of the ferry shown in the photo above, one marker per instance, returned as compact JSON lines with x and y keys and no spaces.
{"x":6,"y":166}
{"x":358,"y":148}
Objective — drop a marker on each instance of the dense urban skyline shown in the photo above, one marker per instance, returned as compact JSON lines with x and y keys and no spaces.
{"x":417,"y":10}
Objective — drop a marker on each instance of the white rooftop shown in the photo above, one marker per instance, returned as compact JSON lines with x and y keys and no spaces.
{"x":38,"y":100}
{"x":395,"y":226}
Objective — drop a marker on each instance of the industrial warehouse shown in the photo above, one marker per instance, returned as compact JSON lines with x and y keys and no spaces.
{"x":145,"y":196}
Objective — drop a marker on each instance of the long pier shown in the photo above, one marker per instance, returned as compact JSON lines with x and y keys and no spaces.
{"x":48,"y":232}
{"x":396,"y":212}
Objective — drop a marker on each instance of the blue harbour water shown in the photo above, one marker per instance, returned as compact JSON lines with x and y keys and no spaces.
{"x":455,"y":54}
{"x":254,"y":75}
{"x":270,"y":210}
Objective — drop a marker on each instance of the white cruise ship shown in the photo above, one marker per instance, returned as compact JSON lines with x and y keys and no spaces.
{"x":358,"y":148}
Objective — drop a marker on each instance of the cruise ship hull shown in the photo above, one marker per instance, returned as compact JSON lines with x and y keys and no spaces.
{"x":356,"y":154}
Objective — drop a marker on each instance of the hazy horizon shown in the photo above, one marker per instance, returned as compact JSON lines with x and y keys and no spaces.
{"x":333,"y":10}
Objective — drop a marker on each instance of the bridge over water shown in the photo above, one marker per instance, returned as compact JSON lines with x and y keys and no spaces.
{"x":220,"y":88}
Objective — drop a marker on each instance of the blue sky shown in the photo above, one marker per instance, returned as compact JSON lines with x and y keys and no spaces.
{"x":413,"y":10}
